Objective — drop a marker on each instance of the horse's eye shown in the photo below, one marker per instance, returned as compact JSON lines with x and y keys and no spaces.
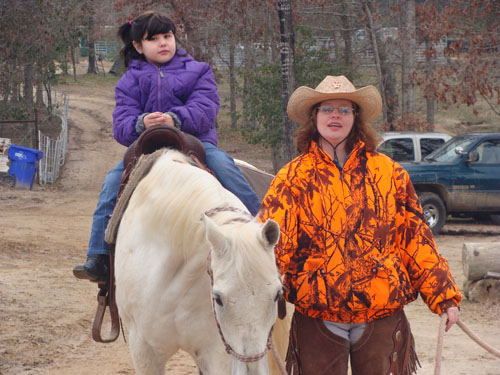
{"x":217,"y":299}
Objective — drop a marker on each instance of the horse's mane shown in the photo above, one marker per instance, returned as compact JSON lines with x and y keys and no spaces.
{"x":180,"y":192}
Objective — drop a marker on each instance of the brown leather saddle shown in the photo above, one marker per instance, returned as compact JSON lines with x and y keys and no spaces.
{"x":153,"y":139}
{"x":158,"y":137}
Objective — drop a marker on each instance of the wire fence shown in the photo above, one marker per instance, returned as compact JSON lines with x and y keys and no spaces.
{"x":54,"y":150}
{"x":23,"y":131}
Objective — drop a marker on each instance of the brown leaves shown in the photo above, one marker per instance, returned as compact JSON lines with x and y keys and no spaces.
{"x":470,"y":30}
{"x":408,"y":122}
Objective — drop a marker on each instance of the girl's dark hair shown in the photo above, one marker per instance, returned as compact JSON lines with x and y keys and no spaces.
{"x":360,"y":131}
{"x":149,"y":22}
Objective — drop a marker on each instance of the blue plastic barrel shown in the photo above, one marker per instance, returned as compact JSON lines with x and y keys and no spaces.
{"x":23,"y":165}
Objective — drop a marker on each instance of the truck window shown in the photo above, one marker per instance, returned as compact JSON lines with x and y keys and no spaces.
{"x":427,"y":145}
{"x":489,"y":152}
{"x":398,"y":149}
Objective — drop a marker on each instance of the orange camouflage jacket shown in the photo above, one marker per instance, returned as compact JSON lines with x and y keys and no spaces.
{"x":354,"y":244}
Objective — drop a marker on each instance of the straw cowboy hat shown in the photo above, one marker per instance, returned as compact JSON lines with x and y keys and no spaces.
{"x":334,"y":87}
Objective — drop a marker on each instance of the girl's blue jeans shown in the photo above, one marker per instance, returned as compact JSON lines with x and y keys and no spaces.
{"x":216,"y":159}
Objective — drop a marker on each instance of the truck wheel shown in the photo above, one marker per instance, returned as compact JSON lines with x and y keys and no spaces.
{"x":434,"y":211}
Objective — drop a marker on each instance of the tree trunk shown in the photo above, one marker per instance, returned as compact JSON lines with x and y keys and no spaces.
{"x":63,"y":64}
{"x":389,"y":81}
{"x":479,"y":258}
{"x":28,"y":86}
{"x":337,"y":45}
{"x":287,"y":72}
{"x":278,"y":157}
{"x":39,"y":95}
{"x":408,"y":56}
{"x":232,"y":85}
{"x":274,"y":53}
{"x":248,"y":118}
{"x":346,"y":25}
{"x":92,"y":63}
{"x":48,"y":91}
{"x":14,"y":94}
{"x":429,"y":88}
{"x":73,"y":61}
{"x":371,"y":29}
{"x":6,"y":92}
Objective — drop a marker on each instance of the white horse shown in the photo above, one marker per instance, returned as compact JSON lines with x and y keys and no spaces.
{"x":194,"y":271}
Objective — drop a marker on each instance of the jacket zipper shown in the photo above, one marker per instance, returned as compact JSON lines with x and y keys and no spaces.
{"x":160,"y":76}
{"x":341,"y":167}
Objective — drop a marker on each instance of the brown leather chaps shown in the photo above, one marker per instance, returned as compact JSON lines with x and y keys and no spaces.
{"x":385,"y":347}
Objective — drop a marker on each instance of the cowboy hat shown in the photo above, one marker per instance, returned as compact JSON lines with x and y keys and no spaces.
{"x":334,"y":87}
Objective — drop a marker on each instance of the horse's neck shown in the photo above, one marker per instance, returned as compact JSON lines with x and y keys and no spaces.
{"x":182,"y":193}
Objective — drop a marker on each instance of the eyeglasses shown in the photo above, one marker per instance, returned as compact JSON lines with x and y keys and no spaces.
{"x":343,"y":111}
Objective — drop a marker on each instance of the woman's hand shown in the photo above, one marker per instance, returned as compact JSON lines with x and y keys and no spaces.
{"x":453,"y":315}
{"x":158,"y":118}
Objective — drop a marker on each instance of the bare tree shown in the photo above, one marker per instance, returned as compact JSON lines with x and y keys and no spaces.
{"x":232,"y":82}
{"x":346,"y":16}
{"x":287,"y":72}
{"x":470,"y":29}
{"x":374,"y":40}
{"x":408,"y":57}
{"x":90,"y":44}
{"x":28,"y":85}
{"x":428,"y":90}
{"x":26,"y":63}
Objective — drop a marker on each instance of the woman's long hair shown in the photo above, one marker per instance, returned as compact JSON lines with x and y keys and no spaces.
{"x":149,"y":22}
{"x":308,"y":132}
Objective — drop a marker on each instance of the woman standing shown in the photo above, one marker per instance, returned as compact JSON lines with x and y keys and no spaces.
{"x":355,"y":247}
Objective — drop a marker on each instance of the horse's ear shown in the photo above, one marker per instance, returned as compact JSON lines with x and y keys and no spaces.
{"x":216,"y":238}
{"x":270,"y":233}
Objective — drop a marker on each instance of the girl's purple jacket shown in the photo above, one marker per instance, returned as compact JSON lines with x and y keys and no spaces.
{"x":182,"y":86}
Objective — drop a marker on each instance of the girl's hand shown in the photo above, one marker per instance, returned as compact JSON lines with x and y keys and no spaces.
{"x":158,"y":118}
{"x":453,"y":315}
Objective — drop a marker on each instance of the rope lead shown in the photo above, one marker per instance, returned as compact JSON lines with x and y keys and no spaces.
{"x":472,"y":335}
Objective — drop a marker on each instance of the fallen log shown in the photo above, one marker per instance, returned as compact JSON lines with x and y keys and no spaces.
{"x":480,"y":258}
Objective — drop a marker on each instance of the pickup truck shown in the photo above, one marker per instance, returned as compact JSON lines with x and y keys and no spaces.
{"x":461,"y":178}
{"x":410,"y":146}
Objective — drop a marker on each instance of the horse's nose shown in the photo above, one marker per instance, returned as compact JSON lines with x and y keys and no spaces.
{"x":250,"y":368}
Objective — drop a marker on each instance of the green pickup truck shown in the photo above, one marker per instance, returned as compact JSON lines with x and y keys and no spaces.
{"x":461,"y":178}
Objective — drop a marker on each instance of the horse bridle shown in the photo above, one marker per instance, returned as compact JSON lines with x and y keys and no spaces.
{"x":229,"y":349}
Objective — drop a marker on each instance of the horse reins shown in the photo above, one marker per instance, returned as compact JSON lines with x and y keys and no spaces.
{"x":229,"y":349}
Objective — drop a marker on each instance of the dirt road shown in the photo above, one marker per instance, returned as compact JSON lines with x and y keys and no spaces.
{"x":46,"y":314}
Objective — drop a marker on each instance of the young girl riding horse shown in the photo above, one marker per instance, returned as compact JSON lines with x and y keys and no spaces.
{"x":163,"y":85}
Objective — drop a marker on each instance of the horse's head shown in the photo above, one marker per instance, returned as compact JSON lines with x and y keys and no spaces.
{"x":245,"y":289}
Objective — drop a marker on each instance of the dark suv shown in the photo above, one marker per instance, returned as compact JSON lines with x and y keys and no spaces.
{"x":461,"y":178}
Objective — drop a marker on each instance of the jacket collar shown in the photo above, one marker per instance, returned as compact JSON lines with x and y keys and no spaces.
{"x":176,"y":62}
{"x":323,"y":156}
